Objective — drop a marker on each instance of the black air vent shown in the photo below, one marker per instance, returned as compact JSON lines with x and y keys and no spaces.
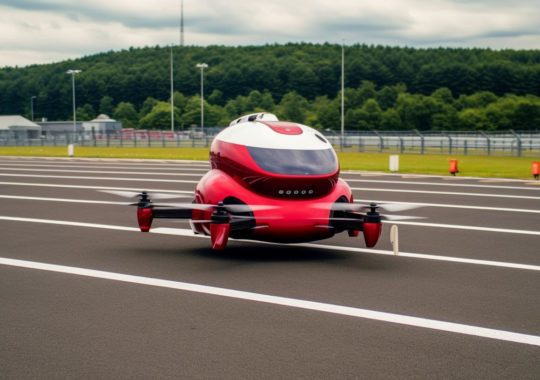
{"x":321,"y":138}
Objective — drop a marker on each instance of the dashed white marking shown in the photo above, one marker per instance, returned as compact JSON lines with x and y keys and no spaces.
{"x":94,"y":187}
{"x":100,"y":178}
{"x":25,"y":167}
{"x":68,"y":200}
{"x":441,"y":184}
{"x":124,"y":161}
{"x":104,"y":172}
{"x":188,"y":233}
{"x":365,"y":189}
{"x":435,"y":225}
{"x":195,"y":182}
{"x":443,"y":205}
{"x":401,"y":319}
{"x":462,"y":227}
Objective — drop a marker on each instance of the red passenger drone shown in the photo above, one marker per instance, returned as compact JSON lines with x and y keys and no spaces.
{"x":272,"y":181}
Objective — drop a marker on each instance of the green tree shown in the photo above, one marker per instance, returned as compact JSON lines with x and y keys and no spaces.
{"x":474,"y":119}
{"x":86,"y":112}
{"x":415,"y":111}
{"x":357,"y":118}
{"x":303,"y":80}
{"x":443,"y":95}
{"x":147,"y":106}
{"x":327,"y":113}
{"x":387,"y":96}
{"x":159,"y":117}
{"x":127,"y":114}
{"x":390,"y":120}
{"x":106,"y":105}
{"x":292,"y":107}
{"x":258,"y":102}
{"x":192,"y":112}
{"x":216,"y":97}
{"x":477,"y":100}
{"x":357,"y":97}
{"x":179,"y":101}
{"x":446,"y":119}
{"x":373,"y":113}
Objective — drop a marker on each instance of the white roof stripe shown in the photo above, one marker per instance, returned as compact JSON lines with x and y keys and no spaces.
{"x":258,"y":135}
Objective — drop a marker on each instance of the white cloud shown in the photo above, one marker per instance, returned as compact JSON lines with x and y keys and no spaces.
{"x":50,"y":30}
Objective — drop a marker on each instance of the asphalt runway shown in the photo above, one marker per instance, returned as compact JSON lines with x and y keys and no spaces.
{"x":85,"y":295}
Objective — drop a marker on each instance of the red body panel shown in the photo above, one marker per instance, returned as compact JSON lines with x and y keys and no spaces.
{"x":292,"y":220}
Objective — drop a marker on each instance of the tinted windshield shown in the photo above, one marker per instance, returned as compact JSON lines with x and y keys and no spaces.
{"x":293,"y":161}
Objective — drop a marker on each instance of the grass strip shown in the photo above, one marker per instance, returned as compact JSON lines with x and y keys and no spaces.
{"x":474,"y":166}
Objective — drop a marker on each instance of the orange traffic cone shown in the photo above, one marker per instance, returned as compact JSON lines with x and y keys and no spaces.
{"x":453,"y":169}
{"x":536,"y":169}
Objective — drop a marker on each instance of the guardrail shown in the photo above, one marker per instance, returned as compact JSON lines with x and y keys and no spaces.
{"x":510,"y":143}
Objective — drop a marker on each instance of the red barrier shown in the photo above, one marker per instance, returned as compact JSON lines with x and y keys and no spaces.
{"x":536,"y":169}
{"x":453,"y":169}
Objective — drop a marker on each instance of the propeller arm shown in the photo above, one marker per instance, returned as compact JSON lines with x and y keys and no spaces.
{"x":348,"y":221}
{"x":172,"y":213}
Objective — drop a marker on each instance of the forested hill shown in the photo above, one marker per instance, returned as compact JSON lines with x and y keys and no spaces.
{"x":305,"y":77}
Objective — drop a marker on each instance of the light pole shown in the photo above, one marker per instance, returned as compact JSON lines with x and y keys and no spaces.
{"x":202,"y":66}
{"x":32,"y":106}
{"x":172,"y":93}
{"x":73,"y":73}
{"x":342,"y":93}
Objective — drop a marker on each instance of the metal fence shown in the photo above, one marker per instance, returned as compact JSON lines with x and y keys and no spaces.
{"x":510,"y":143}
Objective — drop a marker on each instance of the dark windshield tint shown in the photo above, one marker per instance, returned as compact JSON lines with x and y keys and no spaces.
{"x":292,"y":161}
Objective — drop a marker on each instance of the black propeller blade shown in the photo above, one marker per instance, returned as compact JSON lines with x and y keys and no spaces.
{"x":152,"y":195}
{"x":359,"y":207}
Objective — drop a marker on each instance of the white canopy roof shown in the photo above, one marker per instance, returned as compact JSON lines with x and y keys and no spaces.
{"x":17,"y":122}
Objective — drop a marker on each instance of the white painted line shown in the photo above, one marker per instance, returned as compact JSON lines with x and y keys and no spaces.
{"x":401,"y":319}
{"x":423,"y":256}
{"x":441,"y":184}
{"x":494,"y":180}
{"x":188,"y":233}
{"x":105,"y":172}
{"x":195,"y":182}
{"x":100,"y":178}
{"x":69,"y":223}
{"x":68,"y":200}
{"x":134,"y":161}
{"x":365,"y":189}
{"x":442,"y":177}
{"x":442,"y":205}
{"x":461,"y":227}
{"x":54,"y":185}
{"x":435,"y":225}
{"x":132,"y":167}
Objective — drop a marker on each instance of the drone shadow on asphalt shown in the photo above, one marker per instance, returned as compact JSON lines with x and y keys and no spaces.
{"x":253,"y":253}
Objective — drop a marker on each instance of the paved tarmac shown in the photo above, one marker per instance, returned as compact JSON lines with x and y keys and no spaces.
{"x":84,"y":295}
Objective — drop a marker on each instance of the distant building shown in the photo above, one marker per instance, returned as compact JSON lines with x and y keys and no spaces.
{"x":102,"y":124}
{"x":16,"y":126}
{"x":55,"y":127}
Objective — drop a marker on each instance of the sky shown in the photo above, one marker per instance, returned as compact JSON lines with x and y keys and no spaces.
{"x":45,"y":31}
